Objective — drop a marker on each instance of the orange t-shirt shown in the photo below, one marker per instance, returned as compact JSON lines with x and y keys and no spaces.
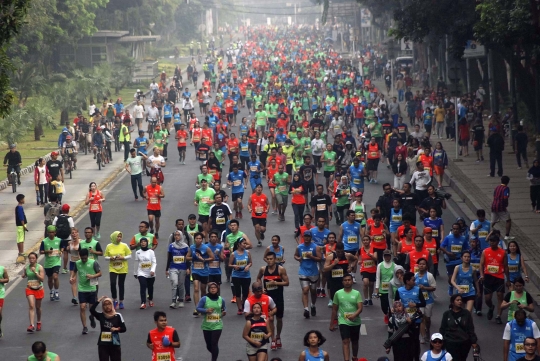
{"x":182,"y":137}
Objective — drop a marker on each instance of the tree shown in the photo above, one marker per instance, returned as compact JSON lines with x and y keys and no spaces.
{"x":25,"y":81}
{"x":40,"y":113}
{"x":14,"y":126}
{"x":12,"y":15}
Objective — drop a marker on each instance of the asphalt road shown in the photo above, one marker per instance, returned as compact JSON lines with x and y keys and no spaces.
{"x":62,"y":328}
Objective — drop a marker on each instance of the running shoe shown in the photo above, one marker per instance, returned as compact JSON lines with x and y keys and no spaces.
{"x":490,"y":313}
{"x":239,"y":312}
{"x":330,"y":303}
{"x":233,"y":299}
{"x":64,"y":271}
{"x":121,"y":306}
{"x":92,"y":321}
{"x":143,"y":306}
{"x":479,"y":313}
{"x":313,"y":311}
{"x":195,"y":313}
{"x":85,"y":330}
{"x":115,"y":303}
{"x":386,"y":319}
{"x":180,"y":304}
{"x":262,"y":236}
{"x":278,"y":343}
{"x":498,"y":320}
{"x":355,"y":358}
{"x":38,"y":326}
{"x":74,"y":301}
{"x":188,"y":298}
{"x":306,"y":313}
{"x":365,"y":303}
{"x":318,"y":293}
{"x":51,"y":295}
{"x":30,"y":329}
{"x":151,"y":303}
{"x":173,"y":304}
{"x":259,"y":244}
{"x":323,"y":293}
{"x":354,"y":279}
{"x":370,"y":302}
{"x":273,"y":346}
{"x":56,"y":296}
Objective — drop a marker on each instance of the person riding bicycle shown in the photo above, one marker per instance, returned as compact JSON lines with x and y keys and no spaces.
{"x":69,"y":151}
{"x":84,"y":129}
{"x":98,"y":141}
{"x":13,"y":160}
{"x":62,"y":136}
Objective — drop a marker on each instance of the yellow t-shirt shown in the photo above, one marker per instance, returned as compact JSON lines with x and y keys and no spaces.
{"x":121,"y":249}
{"x":59,"y":186}
{"x":439,"y":115}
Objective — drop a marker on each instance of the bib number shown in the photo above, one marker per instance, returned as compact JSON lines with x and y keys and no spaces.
{"x":117,"y":264}
{"x":146,"y":265}
{"x":106,"y":337}
{"x":352,"y":239}
{"x":385,"y":286}
{"x":337,"y":273}
{"x":493,"y":269}
{"x":178,"y":259}
{"x":368,"y":263}
{"x":94,"y":207}
{"x":163,"y":356}
{"x":520,"y":348}
{"x":455,"y":248}
{"x":513,"y":268}
{"x":198,"y":265}
{"x":213,"y":317}
{"x":464,"y":288}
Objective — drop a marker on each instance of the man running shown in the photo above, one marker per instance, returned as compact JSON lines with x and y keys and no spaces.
{"x":338,"y":264}
{"x":281,"y":180}
{"x":154,"y":193}
{"x":236,"y":179}
{"x":321,"y":205}
{"x":88,"y":271}
{"x":493,"y":270}
{"x":214,"y":266}
{"x":219,"y":214}
{"x":203,"y":200}
{"x":308,"y":254}
{"x":258,"y":206}
{"x":163,"y":339}
{"x":50,"y":247}
{"x":200,"y":256}
{"x":349,"y":234}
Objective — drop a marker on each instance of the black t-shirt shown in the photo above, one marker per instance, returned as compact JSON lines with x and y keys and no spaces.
{"x":317,"y":200}
{"x":478,"y":131}
{"x":536,"y":358}
{"x":316,"y":123}
{"x":387,"y":79}
{"x":307,"y":172}
{"x":54,"y":167}
{"x":409,"y":203}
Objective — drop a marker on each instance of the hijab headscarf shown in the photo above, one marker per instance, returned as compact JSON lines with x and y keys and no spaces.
{"x":296,"y":183}
{"x":113,"y":311}
{"x":114,"y":237}
{"x":213,"y":163}
{"x":401,"y":316}
{"x":181,"y":243}
{"x":395,"y":281}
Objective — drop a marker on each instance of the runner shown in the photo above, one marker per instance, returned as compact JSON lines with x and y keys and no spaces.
{"x":95,"y":199}
{"x":156,"y":162}
{"x":181,"y":136}
{"x":347,"y":306}
{"x":378,"y":231}
{"x":88,"y":271}
{"x":236,"y":179}
{"x":203,"y":200}
{"x":321,"y":205}
{"x":215,"y":266}
{"x":177,"y":268}
{"x":385,"y":273}
{"x":520,"y":335}
{"x":64,"y":224}
{"x":258,"y":206}
{"x":451,"y":247}
{"x":118,"y":254}
{"x":267,"y":303}
{"x":200,"y":255}
{"x":274,"y":277}
{"x":308,"y":254}
{"x":427,"y":284}
{"x":337,"y":264}
{"x":465,"y":280}
{"x":281,"y":180}
{"x":219,"y":214}
{"x":240,"y":262}
{"x":50,"y":247}
{"x":145,"y":272}
{"x":349,"y":234}
{"x":111,"y":324}
{"x":419,"y":251}
{"x":493,"y":270}
{"x":257,"y":332}
{"x":313,"y":340}
{"x":154,"y":192}
{"x":254,"y":168}
{"x":35,"y":274}
{"x":214,"y":309}
{"x":134,"y":245}
{"x":163,"y":339}
{"x":40,"y":353}
{"x":368,"y":270}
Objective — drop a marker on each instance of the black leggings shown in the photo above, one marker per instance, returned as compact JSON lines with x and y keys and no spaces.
{"x":334,"y":285}
{"x":212,"y":338}
{"x":385,"y":303}
{"x":317,"y":161}
{"x":95,"y":219}
{"x":121,"y":280}
{"x":109,"y":353}
{"x":146,"y":283}
{"x":241,"y":287}
{"x":535,"y":197}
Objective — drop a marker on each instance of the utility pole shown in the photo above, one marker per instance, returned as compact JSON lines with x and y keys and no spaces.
{"x":491,"y":80}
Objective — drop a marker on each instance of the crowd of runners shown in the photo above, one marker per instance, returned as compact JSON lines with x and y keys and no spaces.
{"x":284,"y":120}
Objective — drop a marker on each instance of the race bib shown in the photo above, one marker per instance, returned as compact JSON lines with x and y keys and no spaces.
{"x":259,"y":209}
{"x":146,"y":265}
{"x":214,"y":264}
{"x":493,"y":269}
{"x":198,"y":265}
{"x":464,"y":288}
{"x":385,"y":286}
{"x":205,"y":199}
{"x":396,"y":218}
{"x":356,"y":181}
{"x":482,"y":234}
{"x":55,"y":253}
{"x":513,"y":268}
{"x":520,"y":348}
{"x":373,"y":154}
{"x":426,"y":295}
{"x":254,"y":168}
{"x":163,"y":356}
{"x":244,"y":149}
{"x":154,"y":200}
{"x":337,"y":273}
{"x":74,"y":258}
{"x":410,"y":310}
{"x":117,"y":264}
{"x":378,"y":239}
{"x":432,"y":251}
{"x":220,"y":220}
{"x":321,"y":207}
{"x":257,"y":336}
{"x":415,"y":269}
{"x":94,"y":281}
{"x":359,"y":216}
{"x":305,"y":255}
{"x":368,"y":263}
{"x":242,"y":263}
{"x":94,"y":207}
{"x":34,"y":284}
{"x":352,"y":239}
{"x":237,"y":183}
{"x":106,"y":337}
{"x":178,"y":259}
{"x":213,"y":317}
{"x":270,"y":288}
{"x":427,"y":169}
{"x":475,"y":266}
{"x":455,"y":248}
{"x":434,"y":232}
{"x":196,"y":139}
{"x":282,"y":188}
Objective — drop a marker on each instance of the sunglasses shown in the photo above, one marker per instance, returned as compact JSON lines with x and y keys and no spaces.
{"x":257,"y":289}
{"x":436,"y":341}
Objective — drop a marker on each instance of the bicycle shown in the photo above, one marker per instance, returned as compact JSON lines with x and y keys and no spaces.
{"x":99,"y":157}
{"x":13,"y":179}
{"x":69,"y":165}
{"x":84,"y":142}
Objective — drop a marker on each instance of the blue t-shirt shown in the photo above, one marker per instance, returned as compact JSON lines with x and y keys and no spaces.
{"x":308,"y":267}
{"x":199,"y":267}
{"x":351,"y":236}
{"x":255,"y":169}
{"x":319,"y":237}
{"x":435,"y":225}
{"x":214,"y":267}
{"x":357,"y":178}
{"x":456,"y":245}
{"x":178,"y":257}
{"x":237,"y":180}
{"x":141,"y":143}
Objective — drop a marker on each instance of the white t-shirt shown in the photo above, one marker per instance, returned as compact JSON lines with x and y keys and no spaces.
{"x":317,"y":147}
{"x":156,"y":161}
{"x":138,"y":111}
{"x":70,"y":221}
{"x":42,"y":178}
{"x":437,"y":356}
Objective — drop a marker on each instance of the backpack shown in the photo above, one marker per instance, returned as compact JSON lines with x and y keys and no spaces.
{"x":63,"y":229}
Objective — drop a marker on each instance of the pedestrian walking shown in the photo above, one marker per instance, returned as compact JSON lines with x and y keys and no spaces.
{"x":495,"y":143}
{"x":521,"y":143}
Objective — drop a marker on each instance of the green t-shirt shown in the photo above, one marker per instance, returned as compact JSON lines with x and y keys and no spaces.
{"x":213,"y":321}
{"x":329,"y":161}
{"x":360,"y":213}
{"x":306,"y":145}
{"x":86,"y":245}
{"x":90,"y":267}
{"x":272,"y":110}
{"x":386,"y":276}
{"x":54,"y":259}
{"x":160,"y":138}
{"x":219,"y":155}
{"x":203,"y":197}
{"x":343,"y":198}
{"x":149,"y":236}
{"x":376,"y":131}
{"x":347,"y":303}
{"x":32,"y":276}
{"x":50,"y":356}
{"x":135,"y":163}
{"x":208,"y":178}
{"x":233,"y":238}
{"x":280,"y":181}
{"x":261,"y":117}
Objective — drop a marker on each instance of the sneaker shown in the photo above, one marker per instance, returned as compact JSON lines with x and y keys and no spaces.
{"x":98,"y":236}
{"x":51,"y":295}
{"x":330,"y":303}
{"x":85,"y":330}
{"x":370,"y":302}
{"x":115,"y":304}
{"x":479,"y":313}
{"x":92,"y":321}
{"x":365,"y":303}
{"x":318,"y":293}
{"x":184,"y":162}
{"x":262,"y":236}
{"x":143,"y":306}
{"x":180,"y":304}
{"x":151,"y":303}
{"x":121,"y":306}
{"x":195,"y":313}
{"x":306,"y":313}
{"x":173,"y":304}
{"x":64,"y":271}
{"x":278,"y":343}
{"x":56,"y":296}
{"x":188,"y":298}
{"x":386,"y":319}
{"x":273,"y":346}
{"x":318,"y":171}
{"x":353,"y":279}
{"x":30,"y":329}
{"x":490,"y":313}
{"x":239,"y":312}
{"x":259,"y":244}
{"x":74,"y":301}
{"x":313,"y":311}
{"x":498,"y":320}
{"x":233,"y":299}
{"x":38,"y":327}
{"x":323,"y":293}
{"x":508,"y":238}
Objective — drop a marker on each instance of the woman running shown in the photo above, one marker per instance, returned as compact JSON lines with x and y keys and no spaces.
{"x":257,"y":333}
{"x":111,"y":324}
{"x":313,"y":340}
{"x":240,"y":262}
{"x":146,"y":272}
{"x":95,"y":199}
{"x":213,"y":308}
{"x":117,"y":253}
{"x":35,"y":274}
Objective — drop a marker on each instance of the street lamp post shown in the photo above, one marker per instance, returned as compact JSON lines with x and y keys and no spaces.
{"x":453,"y":76}
{"x":391,"y":55}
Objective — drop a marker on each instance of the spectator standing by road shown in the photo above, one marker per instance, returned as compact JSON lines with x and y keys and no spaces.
{"x":521,"y":147}
{"x":533,"y":175}
{"x":495,"y":143}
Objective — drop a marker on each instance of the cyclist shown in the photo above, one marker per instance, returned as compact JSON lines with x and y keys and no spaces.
{"x":98,"y":140}
{"x":70,"y":149}
{"x":13,"y":160}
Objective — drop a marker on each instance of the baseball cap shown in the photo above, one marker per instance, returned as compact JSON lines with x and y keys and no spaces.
{"x":51,"y":228}
{"x":436,"y":336}
{"x":65,"y":208}
{"x":307,"y":233}
{"x":54,"y":153}
{"x":192,"y":216}
{"x":358,"y":194}
{"x":428,"y":230}
{"x":348,"y":142}
{"x":387,"y":252}
{"x":102,"y":127}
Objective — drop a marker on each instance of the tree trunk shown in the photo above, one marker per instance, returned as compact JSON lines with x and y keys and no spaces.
{"x":38,"y":131}
{"x":64,"y":117}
